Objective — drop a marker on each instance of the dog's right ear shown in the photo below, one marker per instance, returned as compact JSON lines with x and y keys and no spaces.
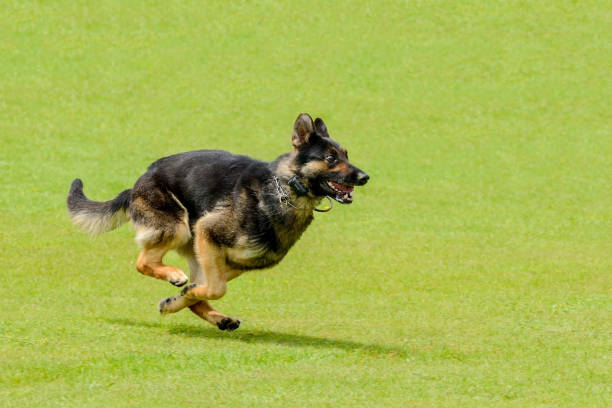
{"x":302,"y":129}
{"x":320,"y":127}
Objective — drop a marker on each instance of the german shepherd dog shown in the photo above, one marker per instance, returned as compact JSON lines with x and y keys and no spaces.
{"x":225,"y":213}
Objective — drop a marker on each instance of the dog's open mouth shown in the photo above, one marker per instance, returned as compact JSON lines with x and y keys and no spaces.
{"x":343,"y":192}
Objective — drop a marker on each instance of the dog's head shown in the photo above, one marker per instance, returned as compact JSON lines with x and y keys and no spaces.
{"x":322,"y":162}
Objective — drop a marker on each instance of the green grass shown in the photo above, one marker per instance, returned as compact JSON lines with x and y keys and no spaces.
{"x":473,"y":270}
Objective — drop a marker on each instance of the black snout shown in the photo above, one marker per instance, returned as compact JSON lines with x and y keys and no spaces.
{"x":362,"y":178}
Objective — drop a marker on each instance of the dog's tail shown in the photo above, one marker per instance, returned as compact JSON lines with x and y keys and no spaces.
{"x":97,"y":217}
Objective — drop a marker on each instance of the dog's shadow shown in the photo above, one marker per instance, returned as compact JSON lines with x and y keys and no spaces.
{"x":251,"y":336}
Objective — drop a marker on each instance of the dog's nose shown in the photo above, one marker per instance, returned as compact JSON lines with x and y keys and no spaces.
{"x":362,"y":178}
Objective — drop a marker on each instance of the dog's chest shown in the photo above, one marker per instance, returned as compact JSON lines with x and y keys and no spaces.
{"x":252,"y":255}
{"x":263,"y":250}
{"x":290,"y":229}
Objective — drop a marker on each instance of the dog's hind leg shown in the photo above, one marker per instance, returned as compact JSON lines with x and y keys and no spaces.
{"x":150,"y":263}
{"x":159,"y":231}
{"x":156,"y":243}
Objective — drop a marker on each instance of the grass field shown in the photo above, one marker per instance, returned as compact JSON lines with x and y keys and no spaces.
{"x":473,"y":270}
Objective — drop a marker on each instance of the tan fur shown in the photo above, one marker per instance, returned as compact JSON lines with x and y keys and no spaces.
{"x":244,"y":250}
{"x":206,"y":312}
{"x":285,"y":169}
{"x":342,"y":168}
{"x":314,"y":167}
{"x":150,"y":263}
{"x":156,"y":242}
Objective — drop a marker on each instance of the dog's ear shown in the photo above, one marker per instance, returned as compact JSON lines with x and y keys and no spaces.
{"x":302,"y":128}
{"x":320,"y":127}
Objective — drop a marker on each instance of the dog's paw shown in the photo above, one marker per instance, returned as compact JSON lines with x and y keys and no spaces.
{"x":229,"y":324}
{"x":171,"y":305}
{"x":177,"y":278}
{"x":164,"y":305}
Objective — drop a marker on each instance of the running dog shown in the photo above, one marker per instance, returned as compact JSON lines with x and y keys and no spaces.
{"x":225,"y":213}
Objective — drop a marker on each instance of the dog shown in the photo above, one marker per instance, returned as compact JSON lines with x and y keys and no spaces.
{"x":225,"y":213}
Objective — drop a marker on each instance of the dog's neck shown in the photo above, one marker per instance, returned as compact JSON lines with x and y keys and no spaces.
{"x":292,"y":192}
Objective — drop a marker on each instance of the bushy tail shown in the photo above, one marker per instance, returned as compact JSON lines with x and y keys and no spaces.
{"x":95,"y":217}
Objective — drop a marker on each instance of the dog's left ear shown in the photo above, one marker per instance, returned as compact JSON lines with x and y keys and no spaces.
{"x":302,"y":128}
{"x":320,"y":127}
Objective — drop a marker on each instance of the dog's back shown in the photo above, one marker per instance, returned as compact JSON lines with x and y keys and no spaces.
{"x":200,"y":180}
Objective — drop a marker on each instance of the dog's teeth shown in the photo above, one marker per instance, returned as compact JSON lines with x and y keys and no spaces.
{"x":346,"y":196}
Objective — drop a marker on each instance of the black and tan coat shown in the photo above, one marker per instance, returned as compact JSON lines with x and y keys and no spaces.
{"x":225,"y":213}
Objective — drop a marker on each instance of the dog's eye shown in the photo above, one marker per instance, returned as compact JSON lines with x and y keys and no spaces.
{"x":330,"y":158}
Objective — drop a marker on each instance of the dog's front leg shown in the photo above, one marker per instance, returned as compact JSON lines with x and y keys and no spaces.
{"x":216,"y":274}
{"x":206,"y":312}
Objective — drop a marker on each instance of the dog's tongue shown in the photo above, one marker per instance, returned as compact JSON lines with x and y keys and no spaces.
{"x":343,"y":188}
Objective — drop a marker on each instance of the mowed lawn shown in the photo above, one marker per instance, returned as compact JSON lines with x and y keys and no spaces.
{"x":473,"y":270}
